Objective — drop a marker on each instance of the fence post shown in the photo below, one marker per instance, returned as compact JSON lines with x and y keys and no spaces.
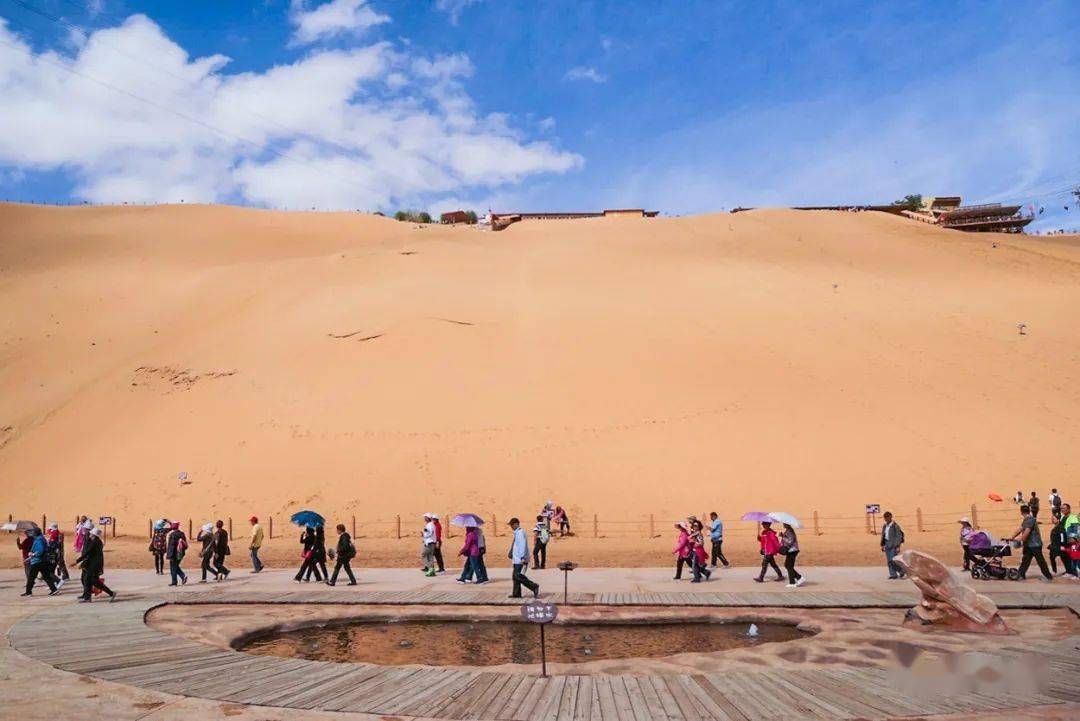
{"x":494,"y":526}
{"x":974,"y":516}
{"x":271,"y":526}
{"x":190,"y":539}
{"x":652,"y":526}
{"x":354,"y":525}
{"x":150,"y":528}
{"x":114,"y":525}
{"x":230,"y":527}
{"x":595,"y":527}
{"x":918,"y":519}
{"x":398,"y":526}
{"x":817,"y":524}
{"x":448,"y":527}
{"x":44,"y":525}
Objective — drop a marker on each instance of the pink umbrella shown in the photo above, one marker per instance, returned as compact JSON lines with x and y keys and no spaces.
{"x":757,"y":516}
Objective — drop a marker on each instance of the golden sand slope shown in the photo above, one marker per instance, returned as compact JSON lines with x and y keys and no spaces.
{"x":803,"y":360}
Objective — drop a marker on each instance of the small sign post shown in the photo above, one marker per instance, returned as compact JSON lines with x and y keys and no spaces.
{"x":872,"y":509}
{"x":543,"y":614}
{"x":566,"y":567}
{"x":105,"y":520}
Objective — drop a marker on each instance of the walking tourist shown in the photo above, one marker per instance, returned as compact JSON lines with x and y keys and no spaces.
{"x":1030,"y":539}
{"x":92,"y":563}
{"x":318,"y":557}
{"x":519,"y":557}
{"x":255,"y":544}
{"x":770,"y":546}
{"x":1058,"y":546}
{"x":176,"y":545}
{"x":345,"y":553}
{"x":39,"y":562}
{"x":965,"y":539}
{"x":1033,"y":504}
{"x":470,"y":551}
{"x":56,"y":546}
{"x":82,"y":530}
{"x":548,"y":514}
{"x":441,"y":567}
{"x":24,"y":543}
{"x":682,"y":548}
{"x":698,"y":555}
{"x":157,"y":546}
{"x":479,"y":565}
{"x":892,"y":539}
{"x":1055,"y":501}
{"x":716,"y":535}
{"x":221,"y":549}
{"x":789,"y":546}
{"x":308,"y":542}
{"x":541,"y":536}
{"x":562,"y":518}
{"x":1072,"y":523}
{"x":206,"y":553}
{"x":427,"y":546}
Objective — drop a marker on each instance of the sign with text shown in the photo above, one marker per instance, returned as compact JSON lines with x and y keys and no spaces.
{"x":538,"y":612}
{"x":873,"y":508}
{"x":105,"y":520}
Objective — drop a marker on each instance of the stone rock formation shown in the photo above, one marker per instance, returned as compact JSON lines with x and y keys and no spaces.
{"x":946,"y":602}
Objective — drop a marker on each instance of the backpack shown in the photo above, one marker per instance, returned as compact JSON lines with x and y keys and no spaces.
{"x":351,"y":551}
{"x":545,"y":534}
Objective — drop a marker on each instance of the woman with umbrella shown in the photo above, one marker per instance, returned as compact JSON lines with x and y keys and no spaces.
{"x":789,"y":546}
{"x":770,"y":546}
{"x":309,"y":521}
{"x":473,"y":550}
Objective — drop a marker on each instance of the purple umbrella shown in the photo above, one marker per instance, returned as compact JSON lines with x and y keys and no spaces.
{"x":757,"y":516}
{"x":467,"y":520}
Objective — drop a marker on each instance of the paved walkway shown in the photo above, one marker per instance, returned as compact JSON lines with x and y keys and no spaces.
{"x":110,"y":642}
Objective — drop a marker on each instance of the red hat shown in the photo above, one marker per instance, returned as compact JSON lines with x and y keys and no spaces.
{"x":254,"y":519}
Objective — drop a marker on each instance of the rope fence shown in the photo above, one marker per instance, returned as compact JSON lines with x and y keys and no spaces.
{"x":587,"y":526}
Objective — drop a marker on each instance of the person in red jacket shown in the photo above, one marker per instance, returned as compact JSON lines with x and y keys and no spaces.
{"x":682,"y":548}
{"x":770,"y":545}
{"x":438,"y":544}
{"x":24,"y":543}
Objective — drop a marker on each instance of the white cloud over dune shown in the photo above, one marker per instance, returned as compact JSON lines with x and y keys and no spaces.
{"x":337,"y":17}
{"x":132,"y":117}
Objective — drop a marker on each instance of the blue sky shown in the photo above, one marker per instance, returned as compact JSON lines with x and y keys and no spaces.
{"x":681,"y":106}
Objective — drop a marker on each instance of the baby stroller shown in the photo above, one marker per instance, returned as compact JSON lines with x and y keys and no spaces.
{"x":986,"y":558}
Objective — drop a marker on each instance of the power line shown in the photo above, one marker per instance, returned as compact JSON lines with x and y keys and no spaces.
{"x":224,"y":133}
{"x":142,"y":62}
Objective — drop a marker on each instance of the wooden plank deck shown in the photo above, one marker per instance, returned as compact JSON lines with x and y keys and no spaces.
{"x":112,"y":642}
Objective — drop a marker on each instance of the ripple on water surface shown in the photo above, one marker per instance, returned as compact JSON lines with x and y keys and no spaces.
{"x":491,"y":643}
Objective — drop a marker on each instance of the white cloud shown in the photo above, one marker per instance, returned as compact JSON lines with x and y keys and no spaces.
{"x":583,"y":72}
{"x":336,"y":17}
{"x":547,"y":125}
{"x":359,"y":128}
{"x":454,"y":8}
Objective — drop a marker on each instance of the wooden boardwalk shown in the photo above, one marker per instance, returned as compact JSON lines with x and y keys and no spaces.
{"x":112,"y":642}
{"x":475,"y":597}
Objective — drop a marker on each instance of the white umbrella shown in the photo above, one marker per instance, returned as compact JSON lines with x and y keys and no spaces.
{"x":782,"y":517}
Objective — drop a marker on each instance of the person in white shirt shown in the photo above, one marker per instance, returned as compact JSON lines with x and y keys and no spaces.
{"x":519,"y":557}
{"x":427,"y":549}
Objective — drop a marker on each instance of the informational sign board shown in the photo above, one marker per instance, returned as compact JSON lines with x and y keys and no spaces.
{"x":873,"y":508}
{"x":105,"y":520}
{"x":539,"y":612}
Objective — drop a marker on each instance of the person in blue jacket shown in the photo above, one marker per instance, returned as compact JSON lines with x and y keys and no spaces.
{"x":716,"y":535}
{"x":40,"y":563}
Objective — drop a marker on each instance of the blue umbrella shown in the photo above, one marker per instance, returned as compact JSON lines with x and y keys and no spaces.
{"x":467,"y":520}
{"x":307,"y":518}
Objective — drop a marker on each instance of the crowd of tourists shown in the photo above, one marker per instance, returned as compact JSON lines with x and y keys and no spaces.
{"x":698,"y":548}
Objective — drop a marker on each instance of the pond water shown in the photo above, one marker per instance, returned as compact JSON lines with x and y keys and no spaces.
{"x":490,"y":643}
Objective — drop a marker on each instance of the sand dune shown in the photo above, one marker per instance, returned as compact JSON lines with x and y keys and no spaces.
{"x":774,"y":358}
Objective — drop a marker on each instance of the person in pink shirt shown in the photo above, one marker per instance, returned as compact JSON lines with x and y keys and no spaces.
{"x":682,"y":548}
{"x":770,"y":546}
